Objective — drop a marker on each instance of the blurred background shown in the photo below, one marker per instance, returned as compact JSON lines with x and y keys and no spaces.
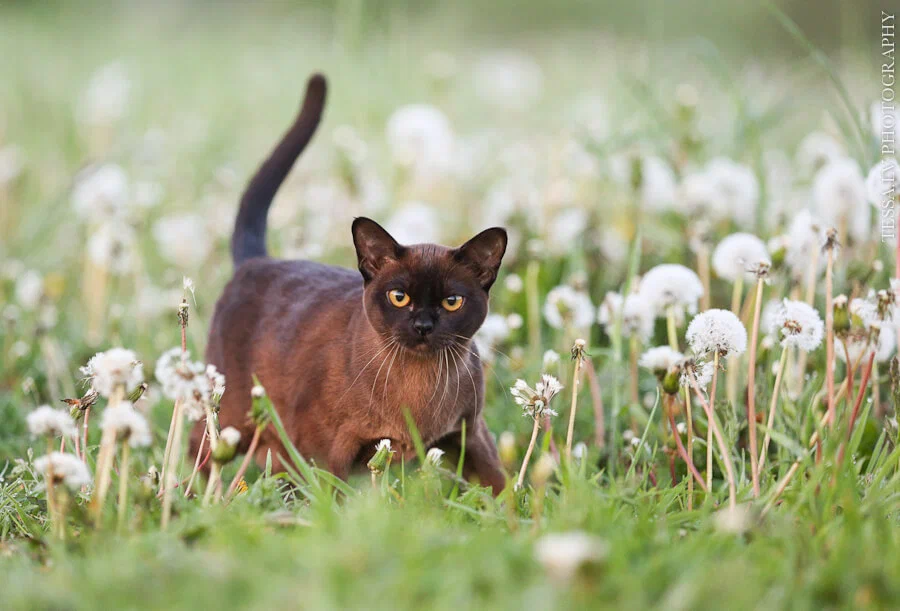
{"x":128,"y":129}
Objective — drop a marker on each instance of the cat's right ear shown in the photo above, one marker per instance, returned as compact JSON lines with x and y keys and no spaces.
{"x":374,"y":247}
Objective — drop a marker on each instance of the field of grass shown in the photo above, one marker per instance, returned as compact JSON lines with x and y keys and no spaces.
{"x":127,"y":132}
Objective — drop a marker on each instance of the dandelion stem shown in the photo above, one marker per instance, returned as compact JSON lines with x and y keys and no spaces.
{"x":575,"y":381}
{"x":190,"y":484}
{"x":720,"y":439}
{"x":597,"y":401}
{"x":690,"y":443}
{"x":251,"y":451}
{"x":634,"y":351}
{"x":685,"y":456}
{"x":829,"y":330}
{"x":770,"y":422}
{"x":751,"y":386}
{"x":171,"y":477}
{"x":123,"y":484}
{"x":534,"y":434}
{"x":167,"y":454}
{"x":670,"y":328}
{"x":703,"y":272}
{"x":84,"y":433}
{"x":859,"y":395}
{"x":533,"y":305}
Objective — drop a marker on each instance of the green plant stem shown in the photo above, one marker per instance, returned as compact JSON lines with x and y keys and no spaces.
{"x":571,"y":433}
{"x":751,"y":386}
{"x":124,"y":466}
{"x":534,"y":434}
{"x":773,"y":405}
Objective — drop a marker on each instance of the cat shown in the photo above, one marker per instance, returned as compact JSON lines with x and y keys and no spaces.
{"x":342,"y":353}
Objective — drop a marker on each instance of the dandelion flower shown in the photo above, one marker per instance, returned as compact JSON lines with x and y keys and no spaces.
{"x":434,"y":456}
{"x":29,"y":289}
{"x":115,"y":368}
{"x":508,"y":80}
{"x":696,"y":372}
{"x":535,"y":401}
{"x":817,"y":150}
{"x":494,"y":330}
{"x":107,"y":95}
{"x":192,"y":383}
{"x":230,"y":436}
{"x":883,"y":182}
{"x":737,"y":188}
{"x":568,"y":307}
{"x":48,"y":421}
{"x":805,"y":234}
{"x":414,"y":223}
{"x":717,"y":331}
{"x":671,"y":285}
{"x":660,"y":359}
{"x":64,"y":469}
{"x":550,"y":358}
{"x":637,"y":315}
{"x":421,"y":140}
{"x":112,"y":247}
{"x":514,"y":283}
{"x":101,"y":194}
{"x":183,"y":239}
{"x":128,"y":423}
{"x":799,"y":325}
{"x":12,"y":161}
{"x":739,"y":254}
{"x":563,"y":554}
{"x":839,"y":193}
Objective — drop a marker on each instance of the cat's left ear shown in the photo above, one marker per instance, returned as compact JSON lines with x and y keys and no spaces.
{"x":483,"y":254}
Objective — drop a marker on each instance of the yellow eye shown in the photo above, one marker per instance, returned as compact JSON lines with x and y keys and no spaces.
{"x":398,"y":298}
{"x":452,"y":303}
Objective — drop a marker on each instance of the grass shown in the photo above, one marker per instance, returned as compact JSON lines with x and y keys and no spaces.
{"x":219,"y":94}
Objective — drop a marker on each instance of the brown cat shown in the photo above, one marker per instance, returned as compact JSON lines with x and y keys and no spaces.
{"x":342,"y":353}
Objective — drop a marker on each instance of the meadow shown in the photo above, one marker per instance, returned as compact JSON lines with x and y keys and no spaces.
{"x":690,"y":359}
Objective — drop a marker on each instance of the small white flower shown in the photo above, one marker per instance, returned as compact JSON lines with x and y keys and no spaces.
{"x":563,"y":554}
{"x":550,"y":358}
{"x":414,"y":223}
{"x":568,"y":307}
{"x":563,"y":231}
{"x":187,"y":381}
{"x":48,"y":421}
{"x":739,"y":254}
{"x":717,"y":331}
{"x":434,"y":456}
{"x":637,"y":315}
{"x":535,"y":401}
{"x":101,"y":194}
{"x":736,"y":186}
{"x":799,"y":325}
{"x":883,"y":182}
{"x":839,"y":193}
{"x":107,"y":95}
{"x":805,"y":236}
{"x":658,"y":186}
{"x":681,"y":428}
{"x":580,"y":450}
{"x":671,"y":285}
{"x":257,"y":392}
{"x":514,"y":283}
{"x":514,"y":321}
{"x":112,"y":246}
{"x":421,"y":140}
{"x":29,"y":289}
{"x":63,"y":469}
{"x":859,"y":344}
{"x":697,"y":372}
{"x":817,"y":150}
{"x":866,"y":310}
{"x":509,"y":80}
{"x":230,"y":436}
{"x":494,"y":330}
{"x":733,"y":520}
{"x":183,"y":239}
{"x":115,"y":368}
{"x":659,"y":359}
{"x":384,"y":444}
{"x":128,"y":423}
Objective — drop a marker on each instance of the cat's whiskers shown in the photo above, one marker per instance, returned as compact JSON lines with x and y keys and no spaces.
{"x":387,"y":376}
{"x":446,"y":379}
{"x":382,"y":348}
{"x":484,"y":365}
{"x":393,"y":345}
{"x":455,"y":347}
{"x":437,"y":378}
{"x":491,"y":348}
{"x":455,"y":356}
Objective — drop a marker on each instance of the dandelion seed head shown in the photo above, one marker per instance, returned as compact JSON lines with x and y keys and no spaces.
{"x":839,"y":193}
{"x":64,"y":469}
{"x":257,"y":392}
{"x":671,"y":285}
{"x":637,"y":315}
{"x":421,"y":141}
{"x":414,"y":223}
{"x":434,"y":456}
{"x":189,"y":382}
{"x":493,"y":331}
{"x":717,"y":331}
{"x":230,"y":436}
{"x":535,"y":401}
{"x":697,"y":372}
{"x":115,"y":368}
{"x":563,"y":554}
{"x":514,"y":283}
{"x":48,"y":421}
{"x":112,"y":246}
{"x":29,"y":289}
{"x":508,"y":80}
{"x":805,"y":236}
{"x":384,"y":444}
{"x":101,"y":194}
{"x":799,"y":325}
{"x":183,"y":240}
{"x":739,"y":255}
{"x":127,"y":423}
{"x":568,"y":307}
{"x":550,"y":358}
{"x":660,"y":359}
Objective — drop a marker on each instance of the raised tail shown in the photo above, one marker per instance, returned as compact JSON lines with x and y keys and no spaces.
{"x":249,"y":237}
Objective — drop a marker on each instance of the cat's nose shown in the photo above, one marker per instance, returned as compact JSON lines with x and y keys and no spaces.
{"x":423,"y":326}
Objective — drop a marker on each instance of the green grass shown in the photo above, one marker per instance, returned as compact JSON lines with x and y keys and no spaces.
{"x":220,"y":84}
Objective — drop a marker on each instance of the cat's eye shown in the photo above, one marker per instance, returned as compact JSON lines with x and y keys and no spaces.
{"x":398,"y":298}
{"x":452,"y":303}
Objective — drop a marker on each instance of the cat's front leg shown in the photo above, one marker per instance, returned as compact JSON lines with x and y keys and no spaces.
{"x":343,"y":452}
{"x":482,"y":458}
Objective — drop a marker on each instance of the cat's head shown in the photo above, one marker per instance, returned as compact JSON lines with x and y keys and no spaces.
{"x":426,"y":296}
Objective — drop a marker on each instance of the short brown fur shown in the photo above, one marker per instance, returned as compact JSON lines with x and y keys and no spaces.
{"x":339,"y":361}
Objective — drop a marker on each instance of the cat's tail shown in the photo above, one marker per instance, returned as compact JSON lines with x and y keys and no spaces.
{"x":249,"y":238}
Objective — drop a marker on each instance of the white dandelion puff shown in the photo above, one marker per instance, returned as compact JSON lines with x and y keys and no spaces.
{"x":637,"y":315}
{"x":115,"y":368}
{"x":421,"y":140}
{"x":434,"y":456}
{"x":64,"y":469}
{"x":550,"y":358}
{"x":839,"y":193}
{"x":48,"y":421}
{"x":230,"y":436}
{"x":739,"y":254}
{"x":671,"y":285}
{"x":660,"y":359}
{"x":568,"y":307}
{"x":563,"y":554}
{"x":535,"y":402}
{"x":128,"y":423}
{"x":799,"y":325}
{"x":717,"y":331}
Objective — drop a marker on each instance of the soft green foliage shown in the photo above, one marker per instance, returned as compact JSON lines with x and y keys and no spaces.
{"x":208,"y":98}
